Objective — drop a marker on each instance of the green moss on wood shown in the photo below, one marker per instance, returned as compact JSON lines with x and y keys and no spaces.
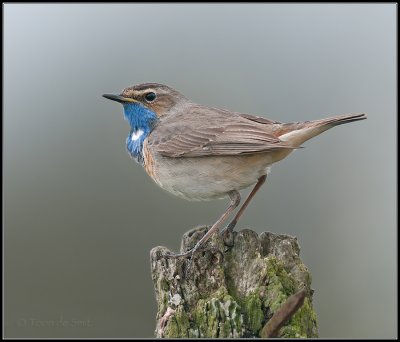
{"x":253,"y":312}
{"x":219,"y":316}
{"x":303,"y":324}
{"x":178,"y":325}
{"x":280,"y":284}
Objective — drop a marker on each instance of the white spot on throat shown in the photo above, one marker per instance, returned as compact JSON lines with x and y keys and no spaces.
{"x":136,"y":134}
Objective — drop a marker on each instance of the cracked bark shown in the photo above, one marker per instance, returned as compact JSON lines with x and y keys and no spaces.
{"x":241,"y":291}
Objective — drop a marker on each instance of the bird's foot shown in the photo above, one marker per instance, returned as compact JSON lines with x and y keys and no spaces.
{"x":227,"y":234}
{"x":187,"y":254}
{"x":191,"y":253}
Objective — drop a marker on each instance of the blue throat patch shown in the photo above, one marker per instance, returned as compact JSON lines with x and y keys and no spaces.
{"x":142,"y":120}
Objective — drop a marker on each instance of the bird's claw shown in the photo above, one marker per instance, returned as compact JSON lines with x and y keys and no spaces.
{"x":227,"y":234}
{"x":171,"y":255}
{"x":191,"y":253}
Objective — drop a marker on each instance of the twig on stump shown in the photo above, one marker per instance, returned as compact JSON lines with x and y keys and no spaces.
{"x":282,"y":316}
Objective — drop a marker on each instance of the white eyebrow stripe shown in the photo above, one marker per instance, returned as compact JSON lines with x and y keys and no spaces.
{"x":141,"y":92}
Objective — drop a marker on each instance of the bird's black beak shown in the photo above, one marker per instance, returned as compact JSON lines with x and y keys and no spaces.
{"x":118,"y":98}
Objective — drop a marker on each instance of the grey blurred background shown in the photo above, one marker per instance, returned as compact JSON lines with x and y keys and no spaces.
{"x":81,"y":216}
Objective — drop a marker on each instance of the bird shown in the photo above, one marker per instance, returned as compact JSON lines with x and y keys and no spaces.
{"x":203,"y":153}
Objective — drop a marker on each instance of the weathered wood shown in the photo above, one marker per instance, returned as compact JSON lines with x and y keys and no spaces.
{"x":234,"y":291}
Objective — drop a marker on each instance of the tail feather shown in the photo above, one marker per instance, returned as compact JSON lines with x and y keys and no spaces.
{"x":297,"y":133}
{"x":341,"y":119}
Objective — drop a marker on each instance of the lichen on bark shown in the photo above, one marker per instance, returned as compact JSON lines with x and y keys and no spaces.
{"x":231,"y":292}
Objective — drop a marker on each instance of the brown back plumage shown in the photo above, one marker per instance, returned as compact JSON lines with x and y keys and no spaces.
{"x":200,"y":131}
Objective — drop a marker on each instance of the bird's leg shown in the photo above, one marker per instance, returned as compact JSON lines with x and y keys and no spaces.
{"x":226,"y":232}
{"x":235,"y":200}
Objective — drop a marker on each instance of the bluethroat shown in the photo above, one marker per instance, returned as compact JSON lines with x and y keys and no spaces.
{"x":203,"y":153}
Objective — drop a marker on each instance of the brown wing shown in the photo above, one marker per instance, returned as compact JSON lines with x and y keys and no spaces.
{"x":204,"y":131}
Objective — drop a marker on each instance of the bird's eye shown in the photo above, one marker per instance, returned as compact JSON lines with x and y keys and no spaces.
{"x":150,"y":97}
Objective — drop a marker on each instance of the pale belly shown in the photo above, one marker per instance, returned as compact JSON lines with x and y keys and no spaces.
{"x":207,"y":178}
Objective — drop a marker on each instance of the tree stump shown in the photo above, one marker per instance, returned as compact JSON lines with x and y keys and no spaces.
{"x":259,"y":287}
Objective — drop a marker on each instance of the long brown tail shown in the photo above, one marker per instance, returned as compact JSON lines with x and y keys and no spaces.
{"x":298,"y":132}
{"x":339,"y":120}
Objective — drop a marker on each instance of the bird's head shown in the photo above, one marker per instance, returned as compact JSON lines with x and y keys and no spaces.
{"x":140,"y":99}
{"x":144,"y":105}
